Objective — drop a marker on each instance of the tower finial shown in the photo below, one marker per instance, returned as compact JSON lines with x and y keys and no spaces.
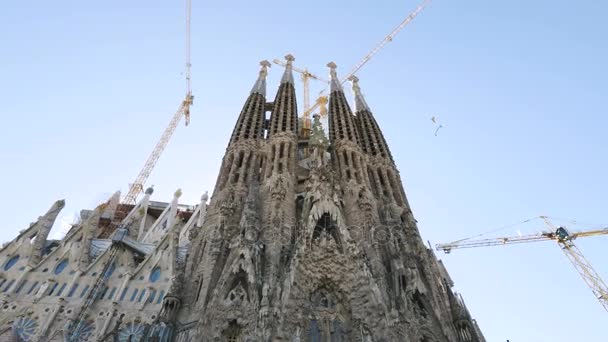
{"x":260,"y":85}
{"x":360,"y":103}
{"x":289,"y":58}
{"x":288,"y":75}
{"x":334,"y":84}
{"x":264,"y":69}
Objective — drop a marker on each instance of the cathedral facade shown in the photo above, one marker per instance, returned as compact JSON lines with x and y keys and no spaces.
{"x":308,"y":237}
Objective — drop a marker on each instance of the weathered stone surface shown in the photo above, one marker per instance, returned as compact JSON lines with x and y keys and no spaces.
{"x":301,"y":241}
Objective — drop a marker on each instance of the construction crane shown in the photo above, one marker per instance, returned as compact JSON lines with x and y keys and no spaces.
{"x":137,"y":186}
{"x":322,"y":98}
{"x":306,"y":76}
{"x":564,"y":239}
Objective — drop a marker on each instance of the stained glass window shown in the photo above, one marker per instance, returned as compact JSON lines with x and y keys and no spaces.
{"x":155,"y":274}
{"x":61,"y":266}
{"x":11,"y":262}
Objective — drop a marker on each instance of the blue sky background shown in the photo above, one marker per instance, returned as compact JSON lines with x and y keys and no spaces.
{"x":87,"y":87}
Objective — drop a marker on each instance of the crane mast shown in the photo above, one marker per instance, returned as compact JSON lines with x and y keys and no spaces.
{"x":564,"y":239}
{"x":137,"y":186}
{"x":322,"y":99}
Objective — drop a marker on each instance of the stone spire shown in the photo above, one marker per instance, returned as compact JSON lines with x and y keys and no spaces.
{"x":43,"y":228}
{"x":334,"y":82}
{"x":341,"y":119}
{"x":360,"y":103}
{"x":260,"y":85}
{"x":371,"y":138}
{"x":284,"y":116}
{"x":288,"y":74}
{"x":250,"y":124}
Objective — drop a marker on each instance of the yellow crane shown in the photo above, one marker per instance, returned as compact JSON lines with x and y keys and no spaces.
{"x":565,"y":240}
{"x":137,"y":186}
{"x":322,"y":98}
{"x":306,"y":76}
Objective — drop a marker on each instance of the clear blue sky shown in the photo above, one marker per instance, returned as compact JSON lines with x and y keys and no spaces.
{"x":86,"y":88}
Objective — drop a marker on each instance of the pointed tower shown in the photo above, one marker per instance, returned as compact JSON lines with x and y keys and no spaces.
{"x":278,"y":186}
{"x":241,"y":166}
{"x":240,"y":161}
{"x":316,"y":245}
{"x":348,"y":159}
{"x":382,"y":172}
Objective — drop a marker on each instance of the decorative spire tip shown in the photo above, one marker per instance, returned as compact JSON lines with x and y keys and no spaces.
{"x":360,"y":103}
{"x":260,"y":85}
{"x":287,"y":75}
{"x":334,"y":84}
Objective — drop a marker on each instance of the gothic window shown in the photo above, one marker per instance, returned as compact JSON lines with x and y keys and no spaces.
{"x":61,"y":289}
{"x":86,"y":288}
{"x":233,"y":332}
{"x":124,"y":293}
{"x":152,"y":296}
{"x":134,"y":294}
{"x":336,"y":331}
{"x":61,"y":266}
{"x":20,"y":286}
{"x":33,"y":287}
{"x":53,"y":288}
{"x":155,"y":274}
{"x":11,"y":262}
{"x":314,"y":332}
{"x":8,"y":286}
{"x":141,"y":295}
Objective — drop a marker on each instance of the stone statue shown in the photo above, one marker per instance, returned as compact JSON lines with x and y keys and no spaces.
{"x":413,"y":280}
{"x":42,"y":290}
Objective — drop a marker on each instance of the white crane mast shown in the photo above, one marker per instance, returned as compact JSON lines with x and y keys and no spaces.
{"x":137,"y":186}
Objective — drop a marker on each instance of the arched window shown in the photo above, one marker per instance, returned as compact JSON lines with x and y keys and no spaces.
{"x":233,"y":332}
{"x":314,"y":333}
{"x":155,"y":274}
{"x":61,"y":266}
{"x":11,"y":262}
